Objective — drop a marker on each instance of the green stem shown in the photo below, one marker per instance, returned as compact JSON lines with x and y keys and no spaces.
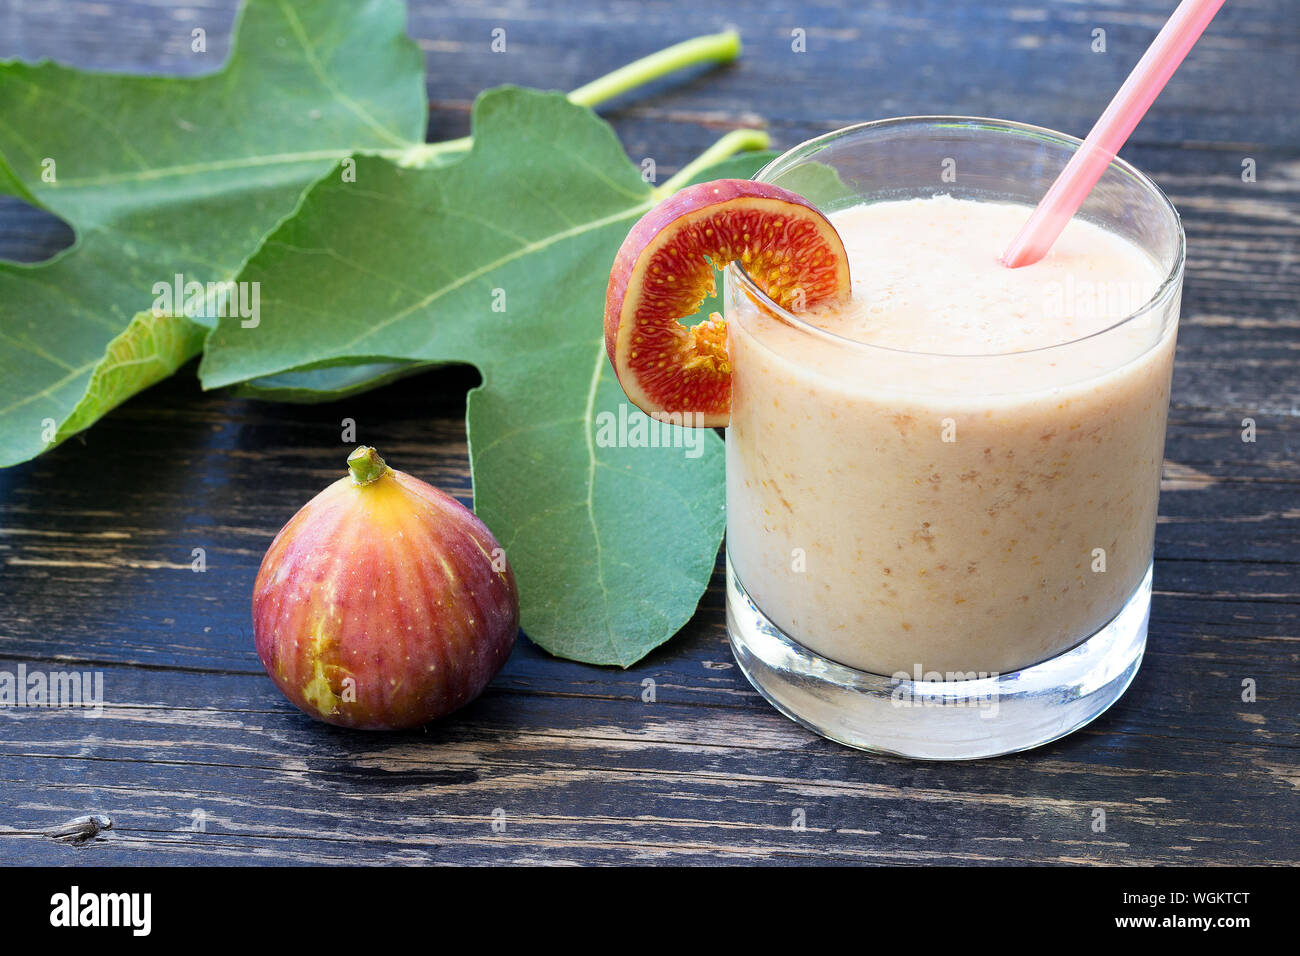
{"x":738,"y":140}
{"x":420,"y":154}
{"x":366,"y":465}
{"x":712,"y":48}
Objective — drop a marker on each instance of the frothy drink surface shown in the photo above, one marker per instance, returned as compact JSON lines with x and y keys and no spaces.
{"x":970,"y":483}
{"x":926,"y":278}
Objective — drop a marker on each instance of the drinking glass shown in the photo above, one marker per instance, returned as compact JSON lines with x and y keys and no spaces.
{"x":947,"y":556}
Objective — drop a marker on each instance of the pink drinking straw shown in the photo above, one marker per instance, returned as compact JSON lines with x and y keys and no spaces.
{"x":1111,"y":132}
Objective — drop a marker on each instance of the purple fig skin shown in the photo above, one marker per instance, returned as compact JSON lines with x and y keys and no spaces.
{"x":384,"y":605}
{"x":725,"y":220}
{"x":685,"y":202}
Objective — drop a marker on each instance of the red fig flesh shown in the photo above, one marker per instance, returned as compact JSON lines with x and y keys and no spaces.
{"x":661,"y":273}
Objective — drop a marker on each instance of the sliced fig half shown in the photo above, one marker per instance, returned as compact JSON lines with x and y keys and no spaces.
{"x":664,"y":269}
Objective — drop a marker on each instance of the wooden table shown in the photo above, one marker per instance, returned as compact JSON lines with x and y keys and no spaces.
{"x":198,"y":759}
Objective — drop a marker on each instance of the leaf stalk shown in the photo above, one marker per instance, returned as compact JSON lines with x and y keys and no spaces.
{"x":737,"y":141}
{"x":710,"y":48}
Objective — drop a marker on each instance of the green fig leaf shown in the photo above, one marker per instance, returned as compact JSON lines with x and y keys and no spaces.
{"x":338,"y":381}
{"x":501,"y":260}
{"x":166,"y":176}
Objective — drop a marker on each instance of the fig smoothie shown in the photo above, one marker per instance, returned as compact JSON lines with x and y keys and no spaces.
{"x":956,"y":471}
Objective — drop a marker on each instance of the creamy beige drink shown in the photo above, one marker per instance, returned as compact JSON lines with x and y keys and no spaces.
{"x":956,"y":471}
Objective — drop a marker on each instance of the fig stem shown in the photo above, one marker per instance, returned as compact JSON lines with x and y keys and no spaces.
{"x":366,"y":465}
{"x":737,"y":141}
{"x":710,"y":48}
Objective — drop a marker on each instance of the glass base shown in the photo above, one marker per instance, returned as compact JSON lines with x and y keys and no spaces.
{"x":939,"y":720}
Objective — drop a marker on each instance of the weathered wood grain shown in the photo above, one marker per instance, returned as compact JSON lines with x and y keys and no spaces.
{"x":95,"y":561}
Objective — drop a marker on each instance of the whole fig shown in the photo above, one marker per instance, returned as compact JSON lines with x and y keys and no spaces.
{"x":383,"y":603}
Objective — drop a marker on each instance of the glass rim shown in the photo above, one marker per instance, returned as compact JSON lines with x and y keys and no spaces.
{"x":1171,"y":283}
